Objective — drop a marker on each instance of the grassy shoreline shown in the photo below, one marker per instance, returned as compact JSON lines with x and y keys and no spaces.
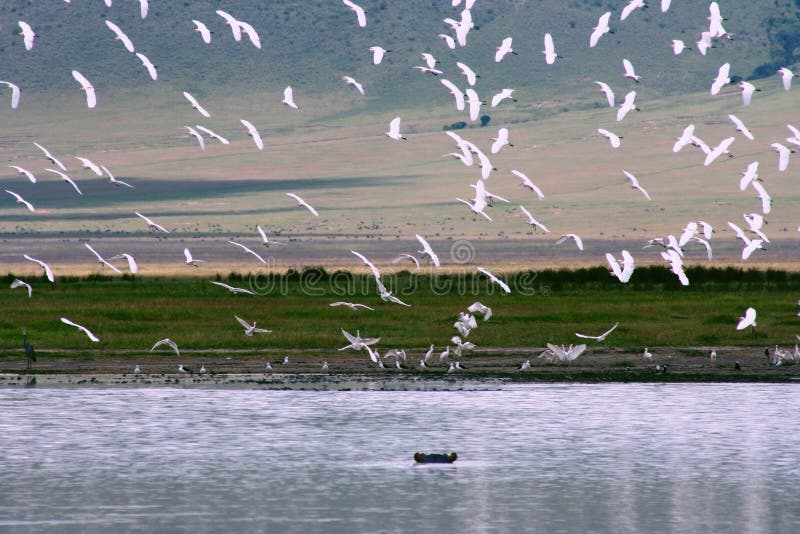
{"x":129,"y":314}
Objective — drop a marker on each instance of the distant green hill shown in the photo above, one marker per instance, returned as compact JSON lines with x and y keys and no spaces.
{"x":310,"y":44}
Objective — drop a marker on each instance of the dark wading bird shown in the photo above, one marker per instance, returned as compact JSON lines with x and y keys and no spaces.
{"x":30,"y":352}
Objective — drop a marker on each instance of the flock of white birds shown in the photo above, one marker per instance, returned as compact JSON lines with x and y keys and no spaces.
{"x":480,"y":200}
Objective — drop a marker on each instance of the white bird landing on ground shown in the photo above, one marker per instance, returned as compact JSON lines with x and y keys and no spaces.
{"x":100,"y":259}
{"x":635,"y":184}
{"x":301,"y":202}
{"x":83,"y":329}
{"x":492,"y":278}
{"x":249,"y":251}
{"x":21,"y":200}
{"x":233,"y":289}
{"x":120,"y":36}
{"x":168,"y":342}
{"x":196,"y":105}
{"x":528,"y":184}
{"x":252,"y":132}
{"x":288,"y":98}
{"x":612,"y":138}
{"x":394,"y":130}
{"x":427,"y":251}
{"x":352,"y":81}
{"x":25,"y":172}
{"x":602,"y":336}
{"x":66,"y":178}
{"x":189,"y":259}
{"x":358,"y":10}
{"x":355,"y":306}
{"x":574,"y":237}
{"x":600,"y":30}
{"x":15,"y":93}
{"x":47,"y":271}
{"x":151,"y":223}
{"x":250,"y":329}
{"x":86,"y":86}
{"x":748,"y":319}
{"x":28,"y":34}
{"x":19,"y":283}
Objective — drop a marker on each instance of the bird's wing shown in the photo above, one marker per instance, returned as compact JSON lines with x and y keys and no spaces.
{"x":121,"y":36}
{"x":83,"y":329}
{"x":369,"y":264}
{"x":243,"y":322}
{"x":605,"y":334}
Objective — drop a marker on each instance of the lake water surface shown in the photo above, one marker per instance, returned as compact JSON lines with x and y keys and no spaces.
{"x":535,"y":458}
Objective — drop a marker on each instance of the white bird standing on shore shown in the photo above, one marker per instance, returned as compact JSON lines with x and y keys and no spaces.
{"x":83,"y":329}
{"x":303,"y":203}
{"x":47,"y":271}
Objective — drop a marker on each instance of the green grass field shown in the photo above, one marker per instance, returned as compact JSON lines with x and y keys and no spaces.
{"x":549,"y":306}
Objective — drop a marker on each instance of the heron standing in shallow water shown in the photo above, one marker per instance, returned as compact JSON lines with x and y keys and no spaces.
{"x":30,"y":352}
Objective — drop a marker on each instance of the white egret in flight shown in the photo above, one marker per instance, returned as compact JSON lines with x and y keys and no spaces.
{"x":169,"y":343}
{"x":288,"y":98}
{"x":721,"y":148}
{"x":113,"y":181}
{"x":456,"y":92}
{"x":151,"y":69}
{"x":66,"y":178}
{"x":251,"y":32}
{"x":47,"y":271}
{"x":627,"y":105}
{"x":786,"y":77}
{"x":266,"y":241}
{"x":449,"y":41}
{"x":151,"y":223}
{"x":394,"y":130}
{"x":203,"y":30}
{"x":190,"y":260}
{"x":24,"y":172}
{"x":91,"y":98}
{"x":351,"y":81}
{"x":358,"y":10}
{"x":50,"y":156}
{"x":502,"y":95}
{"x":197,"y":136}
{"x":492,"y":278}
{"x":628,"y":9}
{"x":600,"y":30}
{"x":635,"y":184}
{"x":249,"y":251}
{"x":134,"y":268}
{"x":236,"y":29}
{"x":528,"y":184}
{"x":28,"y":34}
{"x":549,"y":50}
{"x":685,"y":138}
{"x":722,"y":79}
{"x":612,"y":138}
{"x":427,"y":251}
{"x":250,"y":329}
{"x":355,"y":306}
{"x":629,"y":72}
{"x":83,"y":329}
{"x":783,"y":155}
{"x":303,"y":203}
{"x":212,"y":134}
{"x":740,"y":127}
{"x":500,"y":141}
{"x":533,"y":222}
{"x":602,"y":336}
{"x":377,"y":54}
{"x":574,"y":237}
{"x":120,"y":36}
{"x":15,"y":93}
{"x":747,"y":92}
{"x":196,"y":105}
{"x":233,"y":289}
{"x":86,"y":163}
{"x":608,"y":92}
{"x":468,"y":72}
{"x":678,"y":46}
{"x":748,"y":319}
{"x":100,"y":259}
{"x":19,"y":283}
{"x":503,"y":50}
{"x":21,"y":200}
{"x":252,"y":132}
